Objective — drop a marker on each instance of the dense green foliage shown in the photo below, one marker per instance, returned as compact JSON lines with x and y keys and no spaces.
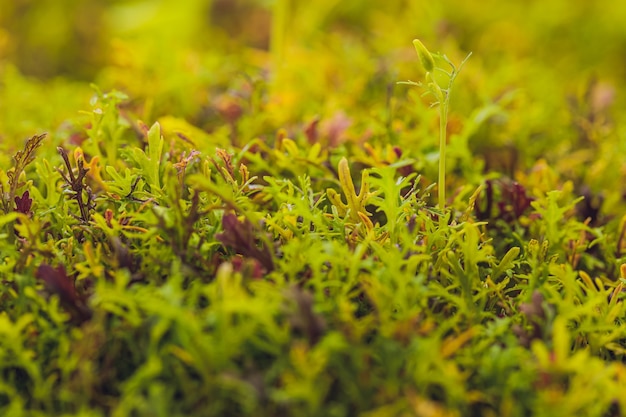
{"x":228,"y":208}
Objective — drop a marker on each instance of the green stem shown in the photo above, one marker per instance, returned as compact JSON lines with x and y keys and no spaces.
{"x":443,"y":122}
{"x":280,"y":17}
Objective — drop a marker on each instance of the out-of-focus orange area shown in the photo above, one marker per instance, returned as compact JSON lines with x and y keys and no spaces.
{"x":544,"y":81}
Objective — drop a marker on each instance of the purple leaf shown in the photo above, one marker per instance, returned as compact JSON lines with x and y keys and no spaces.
{"x":57,"y":282}
{"x":240,"y":237}
{"x":508,"y":198}
{"x":24,"y":203}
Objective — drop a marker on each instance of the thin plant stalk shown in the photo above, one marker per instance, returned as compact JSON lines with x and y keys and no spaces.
{"x":442,"y":98}
{"x":443,"y":127}
{"x":444,"y":104}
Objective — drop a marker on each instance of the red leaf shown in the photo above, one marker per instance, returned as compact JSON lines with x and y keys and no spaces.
{"x":24,"y":203}
{"x":57,"y":282}
{"x":240,"y":237}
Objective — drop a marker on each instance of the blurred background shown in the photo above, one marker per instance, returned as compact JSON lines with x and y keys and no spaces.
{"x":545,"y":80}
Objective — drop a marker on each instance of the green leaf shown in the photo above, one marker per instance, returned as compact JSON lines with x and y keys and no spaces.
{"x":506,"y":262}
{"x":155,"y":148}
{"x":150,"y":163}
{"x":121,"y":184}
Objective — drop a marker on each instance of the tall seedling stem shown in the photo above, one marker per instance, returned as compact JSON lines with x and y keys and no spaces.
{"x":442,"y":98}
{"x":443,"y":127}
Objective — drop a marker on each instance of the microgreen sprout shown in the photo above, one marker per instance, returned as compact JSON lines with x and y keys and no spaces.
{"x":442,"y":99}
